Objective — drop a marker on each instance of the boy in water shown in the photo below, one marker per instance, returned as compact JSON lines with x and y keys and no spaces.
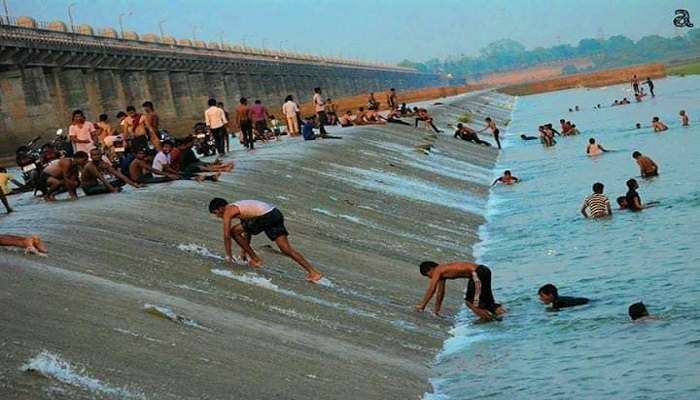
{"x":593,"y":148}
{"x":685,"y":121}
{"x":479,"y":298}
{"x":491,"y":124}
{"x":638,"y":312}
{"x":549,"y":294}
{"x":647,"y":166}
{"x":506,"y":179}
{"x":658,"y":125}
{"x":597,"y":204}
{"x":256,"y":217}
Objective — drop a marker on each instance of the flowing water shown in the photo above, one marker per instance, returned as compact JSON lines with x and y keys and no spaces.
{"x":535,"y":235}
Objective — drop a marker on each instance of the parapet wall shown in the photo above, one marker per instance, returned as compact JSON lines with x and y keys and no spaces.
{"x":594,"y":79}
{"x":45,"y":73}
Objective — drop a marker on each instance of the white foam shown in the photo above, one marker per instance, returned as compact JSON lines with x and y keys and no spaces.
{"x":199,"y":250}
{"x":134,"y":334}
{"x":167,"y":313}
{"x":190,"y":288}
{"x":251,"y":279}
{"x":347,"y":217}
{"x":53,"y":366}
{"x":325,"y":282}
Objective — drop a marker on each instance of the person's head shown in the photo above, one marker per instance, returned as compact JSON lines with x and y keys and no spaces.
{"x":317,"y":90}
{"x":625,"y":99}
{"x":655,"y":119}
{"x":598,"y":188}
{"x":523,"y":136}
{"x":506,"y":172}
{"x":167,"y":146}
{"x":243,"y":101}
{"x":103,"y":117}
{"x":616,"y":102}
{"x":636,"y":155}
{"x":121,"y":115}
{"x":637,"y":311}
{"x":95,"y":154}
{"x":548,"y":293}
{"x":591,"y":141}
{"x":487,"y":119}
{"x":147,"y":106}
{"x":635,"y":76}
{"x":638,"y":126}
{"x":131,"y":111}
{"x":258,"y":102}
{"x":622,"y":202}
{"x":289,"y":98}
{"x":460,"y":126}
{"x":561,"y":121}
{"x":328,"y":100}
{"x":632,"y":184}
{"x":415,"y":109}
{"x":682,"y":112}
{"x":427,"y":267}
{"x":211,"y":102}
{"x":348,"y":112}
{"x":80,"y":158}
{"x":217,"y":206}
{"x":272,"y":116}
{"x":392,"y":90}
{"x":78,"y":116}
{"x":572,"y":125}
{"x":362,"y":109}
{"x":141,"y":154}
{"x":220,"y":105}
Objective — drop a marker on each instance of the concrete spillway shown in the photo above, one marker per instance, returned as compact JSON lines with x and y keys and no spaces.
{"x":135,"y":300}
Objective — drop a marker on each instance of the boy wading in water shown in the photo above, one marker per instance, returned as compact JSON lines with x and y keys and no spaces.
{"x":257,"y":217}
{"x":479,"y":297}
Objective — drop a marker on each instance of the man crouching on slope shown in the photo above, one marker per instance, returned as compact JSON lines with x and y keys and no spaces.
{"x":256,"y":217}
{"x":479,"y":297}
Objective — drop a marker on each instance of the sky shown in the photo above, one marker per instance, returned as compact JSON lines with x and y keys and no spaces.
{"x":376,"y":30}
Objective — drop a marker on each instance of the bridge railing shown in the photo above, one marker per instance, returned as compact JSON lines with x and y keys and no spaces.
{"x":58,"y":33}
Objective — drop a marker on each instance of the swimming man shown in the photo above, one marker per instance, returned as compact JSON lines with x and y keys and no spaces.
{"x":549,"y":294}
{"x":647,"y":166}
{"x":593,"y":148}
{"x":506,"y":179}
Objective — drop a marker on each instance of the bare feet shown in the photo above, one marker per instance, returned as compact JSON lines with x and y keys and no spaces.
{"x":313,"y":276}
{"x":255,"y":263}
{"x":39,"y":245}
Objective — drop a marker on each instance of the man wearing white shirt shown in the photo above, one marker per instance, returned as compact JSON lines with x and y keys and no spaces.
{"x":320,"y":107}
{"x":81,"y":133}
{"x":215,"y":118}
{"x":290,"y":111}
{"x":161,"y":162}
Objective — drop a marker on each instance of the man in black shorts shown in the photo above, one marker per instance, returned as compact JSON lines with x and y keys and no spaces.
{"x":256,"y":217}
{"x":479,"y":296}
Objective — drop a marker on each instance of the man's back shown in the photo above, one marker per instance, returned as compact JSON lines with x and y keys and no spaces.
{"x":568,"y":301}
{"x":597,"y":204}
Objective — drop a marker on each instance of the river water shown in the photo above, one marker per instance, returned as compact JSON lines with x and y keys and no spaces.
{"x":535,"y":235}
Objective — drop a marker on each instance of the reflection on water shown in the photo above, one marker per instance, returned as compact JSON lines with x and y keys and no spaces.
{"x":535,"y":235}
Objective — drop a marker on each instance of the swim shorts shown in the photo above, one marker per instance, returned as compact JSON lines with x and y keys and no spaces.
{"x":481,"y":296}
{"x":271,"y":223}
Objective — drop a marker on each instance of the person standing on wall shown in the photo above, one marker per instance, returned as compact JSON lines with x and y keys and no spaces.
{"x":320,"y":108}
{"x":152,"y":124}
{"x":290,"y":111}
{"x":245,"y":123}
{"x":392,"y":100}
{"x":215,"y":119}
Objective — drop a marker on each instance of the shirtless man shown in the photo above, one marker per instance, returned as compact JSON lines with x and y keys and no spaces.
{"x":93,"y":180}
{"x":64,"y":173}
{"x":491,"y":124}
{"x":506,"y":179}
{"x":658,"y":125}
{"x":479,"y":298}
{"x":468,"y":134}
{"x":391,"y":99}
{"x":245,"y":122}
{"x":685,"y":121}
{"x":635,"y":84}
{"x":151,"y":122}
{"x":423,"y":115}
{"x":647,"y":166}
{"x":256,"y":217}
{"x":593,"y":148}
{"x":361,"y":117}
{"x":31,"y":244}
{"x":346,"y":119}
{"x":104,"y":130}
{"x":140,"y":170}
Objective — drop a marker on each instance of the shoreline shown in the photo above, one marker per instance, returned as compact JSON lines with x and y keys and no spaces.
{"x":365,"y":210}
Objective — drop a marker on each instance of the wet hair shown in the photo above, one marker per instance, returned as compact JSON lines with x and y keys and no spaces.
{"x":211,"y":102}
{"x":147,"y":104}
{"x":636,"y":154}
{"x":598,"y":187}
{"x":121,"y":114}
{"x":258,"y":102}
{"x":216,"y":203}
{"x":561,"y":120}
{"x":392,"y":89}
{"x":638,"y":125}
{"x":77,"y":112}
{"x":591,"y":140}
{"x":506,"y":172}
{"x":317,"y":90}
{"x":103,"y":117}
{"x":168,"y":143}
{"x":487,"y":119}
{"x":632,"y":183}
{"x":289,"y":98}
{"x":80,"y":155}
{"x":549,"y":290}
{"x":426,"y":267}
{"x":130,"y":108}
{"x":655,"y":119}
{"x":460,"y":125}
{"x":638,"y":310}
{"x":243,"y":100}
{"x":622,"y":201}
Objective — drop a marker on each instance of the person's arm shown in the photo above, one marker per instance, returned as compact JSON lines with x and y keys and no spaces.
{"x":603,"y":149}
{"x":607,"y":205}
{"x":430,"y":291}
{"x":229,"y":214}
{"x":206,"y":118}
{"x":439,"y":296}
{"x":123,"y":177}
{"x":223,"y":117}
{"x":583,"y":209}
{"x":496,"y":181}
{"x":588,"y":149}
{"x":637,"y":203}
{"x":515,"y":178}
{"x":481,"y":313}
{"x":92,"y":168}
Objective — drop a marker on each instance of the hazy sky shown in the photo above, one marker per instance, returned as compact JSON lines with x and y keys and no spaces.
{"x":377,"y":30}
